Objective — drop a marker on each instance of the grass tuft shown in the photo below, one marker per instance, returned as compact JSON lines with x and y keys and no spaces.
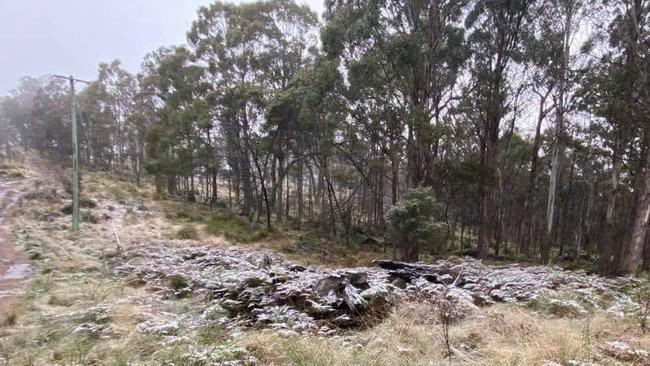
{"x":9,"y":320}
{"x":187,"y":232}
{"x":234,"y":228}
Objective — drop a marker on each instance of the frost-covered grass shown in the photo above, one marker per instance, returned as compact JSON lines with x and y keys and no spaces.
{"x":75,"y":311}
{"x":498,"y":335}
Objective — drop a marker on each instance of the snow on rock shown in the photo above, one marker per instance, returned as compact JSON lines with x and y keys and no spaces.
{"x":622,"y":351}
{"x":566,"y":307}
{"x":570,"y":363}
{"x":263,"y":289}
{"x":166,"y":325}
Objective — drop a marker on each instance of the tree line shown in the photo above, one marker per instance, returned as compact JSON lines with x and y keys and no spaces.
{"x":525,"y":123}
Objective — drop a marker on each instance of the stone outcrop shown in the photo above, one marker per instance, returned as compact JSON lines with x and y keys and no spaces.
{"x":263,"y":289}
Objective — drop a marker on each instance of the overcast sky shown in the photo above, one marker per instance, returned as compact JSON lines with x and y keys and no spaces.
{"x":40,"y":37}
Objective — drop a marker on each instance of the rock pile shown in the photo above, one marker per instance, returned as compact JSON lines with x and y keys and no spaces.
{"x":486,"y":285}
{"x":265,"y":290}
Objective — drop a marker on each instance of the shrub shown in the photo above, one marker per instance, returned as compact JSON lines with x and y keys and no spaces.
{"x":415,"y":221}
{"x":9,"y":320}
{"x":642,"y":297}
{"x":209,"y":334}
{"x":187,"y":233}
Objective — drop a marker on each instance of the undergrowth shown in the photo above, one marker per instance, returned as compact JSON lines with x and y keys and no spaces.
{"x":234,"y":228}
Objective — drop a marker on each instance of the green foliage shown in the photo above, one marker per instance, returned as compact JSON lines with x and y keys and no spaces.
{"x":416,"y":220}
{"x":642,"y":297}
{"x":210,"y":334}
{"x":235,"y":228}
{"x":76,"y":350}
{"x":186,"y":215}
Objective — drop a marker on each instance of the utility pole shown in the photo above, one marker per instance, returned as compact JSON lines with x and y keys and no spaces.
{"x":75,"y":152}
{"x":75,"y":159}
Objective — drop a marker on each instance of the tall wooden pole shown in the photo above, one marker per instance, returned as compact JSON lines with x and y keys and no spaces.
{"x":75,"y":159}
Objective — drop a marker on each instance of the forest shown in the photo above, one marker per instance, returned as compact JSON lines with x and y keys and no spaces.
{"x":512,"y":129}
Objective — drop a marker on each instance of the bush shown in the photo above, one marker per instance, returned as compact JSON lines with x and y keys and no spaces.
{"x":210,"y":334}
{"x":415,"y":221}
{"x":187,"y":232}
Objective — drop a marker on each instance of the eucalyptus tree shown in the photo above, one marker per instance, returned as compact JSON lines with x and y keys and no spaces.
{"x":496,"y":31}
{"x":174,"y":140}
{"x":616,"y":91}
{"x":555,"y":55}
{"x":630,"y":37}
{"x":119,"y":88}
{"x":98,"y":127}
{"x":402,"y":59}
{"x":8,"y":133}
{"x":252,"y":51}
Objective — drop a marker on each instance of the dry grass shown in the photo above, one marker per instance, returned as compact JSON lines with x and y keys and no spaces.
{"x":73,"y":275}
{"x":499,"y":335}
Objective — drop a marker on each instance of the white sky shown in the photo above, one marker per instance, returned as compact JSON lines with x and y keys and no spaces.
{"x":40,"y":37}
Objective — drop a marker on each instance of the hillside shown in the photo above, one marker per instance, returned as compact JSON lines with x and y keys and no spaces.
{"x":172,"y":293}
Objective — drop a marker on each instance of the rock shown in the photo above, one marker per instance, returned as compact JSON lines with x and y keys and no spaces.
{"x":581,"y":363}
{"x":90,"y":329}
{"x":260,"y":260}
{"x":377,"y":292}
{"x":333,"y":283}
{"x":255,"y":281}
{"x":344,"y":321}
{"x":233,"y":306}
{"x":352,"y":299}
{"x":357,"y":278}
{"x":297,"y":268}
{"x":258,"y":289}
{"x":569,"y":308}
{"x":622,"y":351}
{"x":319,"y":310}
{"x":159,"y":327}
{"x":445,"y":279}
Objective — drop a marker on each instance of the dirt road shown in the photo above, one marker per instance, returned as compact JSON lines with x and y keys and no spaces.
{"x":14,"y":266}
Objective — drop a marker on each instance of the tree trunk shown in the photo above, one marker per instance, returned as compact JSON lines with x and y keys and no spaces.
{"x":634,"y":258}
{"x":487,"y":194}
{"x":532,"y":178}
{"x":299,"y":182}
{"x":607,"y":242}
{"x":279,"y":206}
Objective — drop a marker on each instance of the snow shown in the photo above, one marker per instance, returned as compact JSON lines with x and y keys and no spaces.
{"x":263,"y":289}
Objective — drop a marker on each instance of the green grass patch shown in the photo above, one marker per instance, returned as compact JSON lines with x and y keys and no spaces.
{"x":75,"y":351}
{"x":186,"y":215}
{"x":210,"y":334}
{"x":234,"y":228}
{"x":40,"y":285}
